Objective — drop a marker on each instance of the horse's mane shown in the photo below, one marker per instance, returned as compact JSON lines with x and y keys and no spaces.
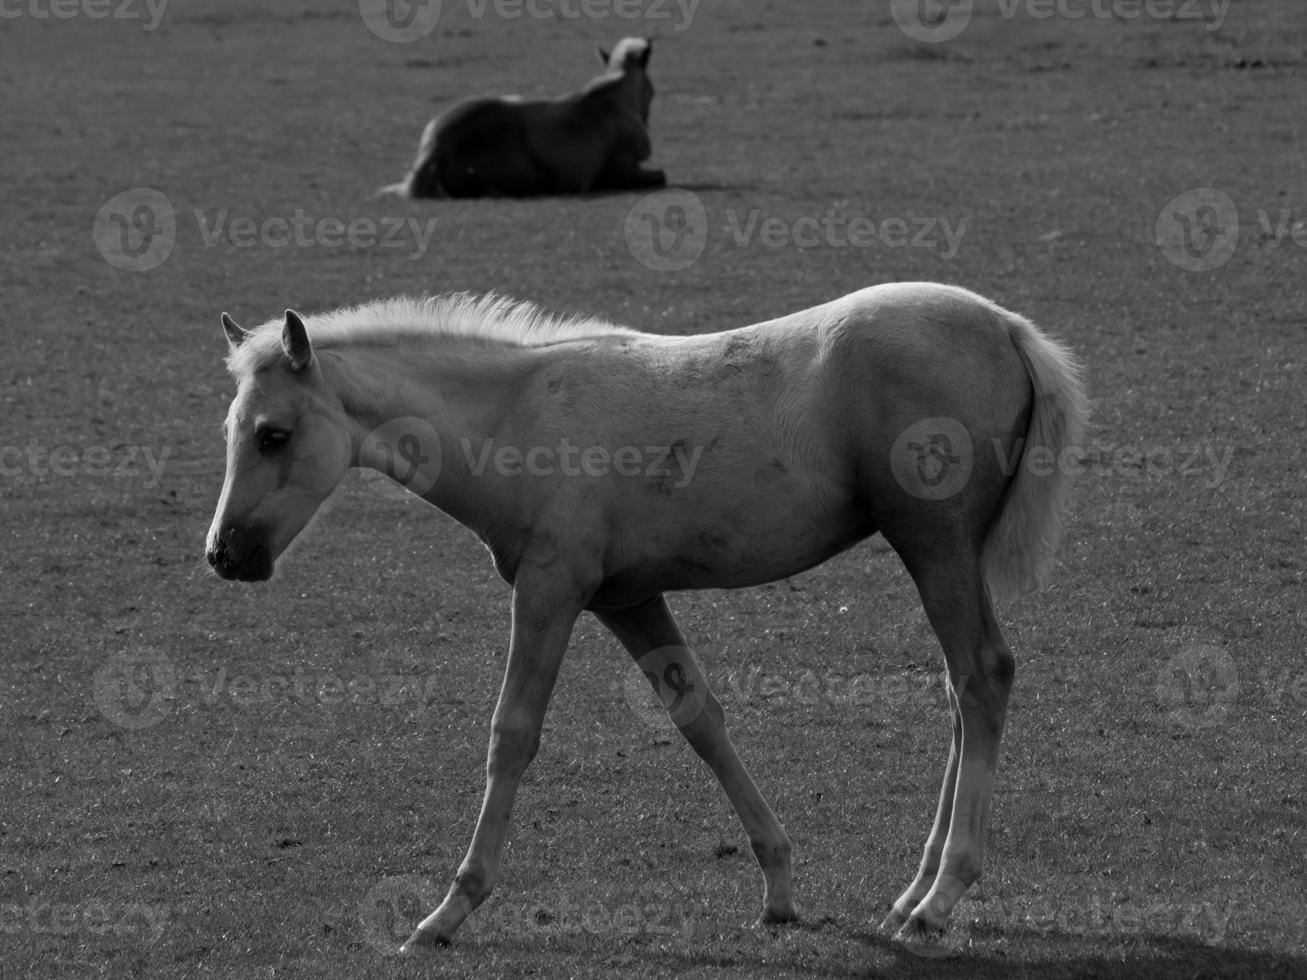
{"x":628,"y":53}
{"x":491,"y":319}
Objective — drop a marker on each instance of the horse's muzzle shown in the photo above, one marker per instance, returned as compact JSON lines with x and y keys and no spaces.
{"x":240,"y":554}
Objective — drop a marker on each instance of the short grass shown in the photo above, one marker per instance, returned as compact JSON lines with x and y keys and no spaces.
{"x":312,"y":784}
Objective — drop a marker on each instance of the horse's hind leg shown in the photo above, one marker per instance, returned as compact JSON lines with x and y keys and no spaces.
{"x":934,"y":852}
{"x":980,"y":671}
{"x":651,"y":636}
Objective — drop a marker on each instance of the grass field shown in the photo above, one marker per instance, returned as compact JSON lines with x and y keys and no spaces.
{"x":216,"y":780}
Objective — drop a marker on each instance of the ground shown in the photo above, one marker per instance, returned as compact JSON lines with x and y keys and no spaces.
{"x":208,"y":779}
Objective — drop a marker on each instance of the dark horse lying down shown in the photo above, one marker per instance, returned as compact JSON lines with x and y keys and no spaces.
{"x":509,"y":147}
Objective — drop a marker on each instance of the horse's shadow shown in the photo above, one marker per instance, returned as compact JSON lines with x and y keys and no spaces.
{"x":1049,"y":955}
{"x":704,"y":187}
{"x":1003,"y":952}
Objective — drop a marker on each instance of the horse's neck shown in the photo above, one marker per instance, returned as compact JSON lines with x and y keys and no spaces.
{"x":458,"y":389}
{"x":447,"y":382}
{"x":621,"y":87}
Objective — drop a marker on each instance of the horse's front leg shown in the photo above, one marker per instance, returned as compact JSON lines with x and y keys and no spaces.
{"x":651,"y":636}
{"x":622,"y":170}
{"x":543,"y":616}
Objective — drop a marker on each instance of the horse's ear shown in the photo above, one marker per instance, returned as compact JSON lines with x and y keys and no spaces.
{"x":603,"y":56}
{"x":295,"y":342}
{"x":236,"y":334}
{"x":648,"y":50}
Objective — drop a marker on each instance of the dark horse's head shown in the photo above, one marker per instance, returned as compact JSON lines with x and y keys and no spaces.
{"x":631,"y":55}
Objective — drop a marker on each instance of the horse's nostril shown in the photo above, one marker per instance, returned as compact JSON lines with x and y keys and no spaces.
{"x":217,"y":554}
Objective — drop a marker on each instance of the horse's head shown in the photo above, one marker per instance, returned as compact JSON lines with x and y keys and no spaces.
{"x":288,"y":447}
{"x":630,"y":58}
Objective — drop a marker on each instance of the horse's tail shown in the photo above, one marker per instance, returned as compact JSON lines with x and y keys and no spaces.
{"x":422,"y":179}
{"x":1021,"y":543}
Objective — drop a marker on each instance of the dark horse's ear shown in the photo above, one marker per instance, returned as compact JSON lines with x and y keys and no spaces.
{"x":295,"y":342}
{"x":648,"y":50}
{"x":235,"y":334}
{"x":603,"y":56}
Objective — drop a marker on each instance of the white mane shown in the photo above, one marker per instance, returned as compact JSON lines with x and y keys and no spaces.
{"x":627,"y":49}
{"x":490,"y":318}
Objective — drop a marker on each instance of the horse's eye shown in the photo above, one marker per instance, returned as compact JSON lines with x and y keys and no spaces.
{"x":270,"y":440}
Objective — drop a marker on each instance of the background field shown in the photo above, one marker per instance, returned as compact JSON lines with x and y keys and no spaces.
{"x":206,"y":779}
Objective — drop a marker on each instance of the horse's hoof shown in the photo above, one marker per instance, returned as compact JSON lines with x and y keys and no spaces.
{"x":893,"y":922}
{"x":921,"y":938}
{"x":780,"y":916}
{"x":420,"y":940}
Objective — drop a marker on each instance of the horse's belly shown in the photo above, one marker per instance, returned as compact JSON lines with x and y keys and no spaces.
{"x":753,"y":541}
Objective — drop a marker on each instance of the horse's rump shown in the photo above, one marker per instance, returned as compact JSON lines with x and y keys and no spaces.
{"x":924,"y":362}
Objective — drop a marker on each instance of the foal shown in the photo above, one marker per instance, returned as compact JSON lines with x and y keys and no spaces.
{"x":593,"y":140}
{"x":920,"y":411}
